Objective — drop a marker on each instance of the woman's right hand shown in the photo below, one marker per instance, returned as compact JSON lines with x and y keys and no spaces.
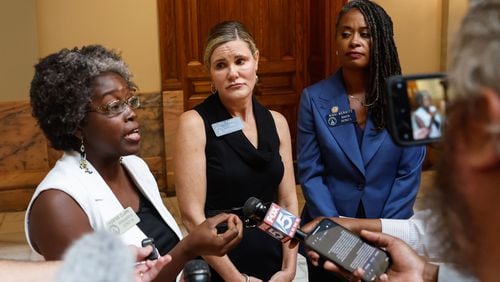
{"x":204,"y":239}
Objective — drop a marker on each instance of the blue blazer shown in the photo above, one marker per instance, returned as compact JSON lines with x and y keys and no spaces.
{"x":335,"y":172}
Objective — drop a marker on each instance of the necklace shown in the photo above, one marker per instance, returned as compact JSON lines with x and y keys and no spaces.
{"x":362,"y":102}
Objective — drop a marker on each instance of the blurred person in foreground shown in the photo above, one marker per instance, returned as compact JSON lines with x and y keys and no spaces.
{"x":465,"y":202}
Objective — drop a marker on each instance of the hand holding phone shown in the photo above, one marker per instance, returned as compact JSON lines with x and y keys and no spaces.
{"x":416,"y":108}
{"x":341,"y":246}
{"x":154,"y":253}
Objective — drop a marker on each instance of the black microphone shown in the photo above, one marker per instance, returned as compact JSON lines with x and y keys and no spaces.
{"x":274,"y":220}
{"x":196,"y":270}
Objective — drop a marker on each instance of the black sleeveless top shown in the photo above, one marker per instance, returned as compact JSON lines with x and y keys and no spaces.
{"x":153,"y":226}
{"x":236,"y":171}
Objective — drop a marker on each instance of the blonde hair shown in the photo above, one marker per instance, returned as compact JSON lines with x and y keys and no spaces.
{"x":225,"y":32}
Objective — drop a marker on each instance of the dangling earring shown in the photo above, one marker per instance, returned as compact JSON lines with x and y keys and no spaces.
{"x":213,"y":90}
{"x":256,"y":79}
{"x":83,"y":160}
{"x":337,"y":52}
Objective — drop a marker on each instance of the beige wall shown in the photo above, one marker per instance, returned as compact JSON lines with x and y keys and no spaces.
{"x":423,"y":30}
{"x":417,"y":30}
{"x":35,"y":28}
{"x":130,"y":26}
{"x":455,"y":13}
{"x":18,"y":50}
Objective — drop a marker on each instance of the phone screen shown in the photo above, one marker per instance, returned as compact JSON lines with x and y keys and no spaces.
{"x":339,"y":245}
{"x":417,"y":105}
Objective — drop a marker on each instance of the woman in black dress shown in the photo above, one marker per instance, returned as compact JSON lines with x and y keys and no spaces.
{"x":230,"y":148}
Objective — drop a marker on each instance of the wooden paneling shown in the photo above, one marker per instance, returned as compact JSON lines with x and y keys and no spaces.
{"x":171,"y":43}
{"x":322,"y":61}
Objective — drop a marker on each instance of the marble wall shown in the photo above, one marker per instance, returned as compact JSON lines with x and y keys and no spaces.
{"x":26,"y":157}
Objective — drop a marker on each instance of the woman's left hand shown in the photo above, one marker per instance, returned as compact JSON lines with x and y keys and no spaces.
{"x":147,"y":270}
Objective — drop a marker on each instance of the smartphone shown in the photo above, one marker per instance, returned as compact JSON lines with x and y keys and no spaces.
{"x":150,"y":241}
{"x":416,"y":108}
{"x":346,"y":249}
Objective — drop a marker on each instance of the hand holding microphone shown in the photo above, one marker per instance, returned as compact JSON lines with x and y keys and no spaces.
{"x":102,"y":256}
{"x":146,"y":269}
{"x":204,"y":239}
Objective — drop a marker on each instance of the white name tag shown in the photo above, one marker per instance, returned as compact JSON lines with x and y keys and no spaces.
{"x":122,"y":222}
{"x":227,"y":126}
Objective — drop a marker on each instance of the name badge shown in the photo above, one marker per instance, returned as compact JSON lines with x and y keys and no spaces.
{"x":122,"y":222}
{"x":341,"y":118}
{"x":227,"y":126}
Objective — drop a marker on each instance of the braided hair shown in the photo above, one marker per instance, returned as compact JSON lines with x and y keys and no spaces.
{"x":384,"y":60}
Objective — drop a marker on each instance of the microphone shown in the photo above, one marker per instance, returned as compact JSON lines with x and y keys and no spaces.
{"x":274,"y":220}
{"x":98,"y":256}
{"x":196,"y":270}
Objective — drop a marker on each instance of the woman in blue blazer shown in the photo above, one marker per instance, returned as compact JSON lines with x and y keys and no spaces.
{"x":348,"y":164}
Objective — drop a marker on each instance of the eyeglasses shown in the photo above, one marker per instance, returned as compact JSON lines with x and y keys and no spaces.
{"x":117,"y":107}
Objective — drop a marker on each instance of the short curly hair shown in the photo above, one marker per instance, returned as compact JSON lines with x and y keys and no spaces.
{"x":61,"y":90}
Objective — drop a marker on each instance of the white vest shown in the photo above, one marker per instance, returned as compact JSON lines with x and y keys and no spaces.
{"x":95,"y":197}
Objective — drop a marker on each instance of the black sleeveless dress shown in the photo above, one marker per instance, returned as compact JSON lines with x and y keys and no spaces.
{"x":236,"y":171}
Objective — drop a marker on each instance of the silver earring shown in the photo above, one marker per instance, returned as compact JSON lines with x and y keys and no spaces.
{"x":256,"y":79}
{"x":84,"y":165}
{"x":213,"y":90}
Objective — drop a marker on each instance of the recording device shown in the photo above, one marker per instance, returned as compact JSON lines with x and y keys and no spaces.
{"x":416,"y":108}
{"x":98,"y":256}
{"x":154,"y":253}
{"x":222,"y":227}
{"x":329,"y":239}
{"x":196,"y":270}
{"x":339,"y":245}
{"x":273,"y":219}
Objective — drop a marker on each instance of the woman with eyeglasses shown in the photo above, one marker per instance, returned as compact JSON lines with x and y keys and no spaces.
{"x":84,"y":100}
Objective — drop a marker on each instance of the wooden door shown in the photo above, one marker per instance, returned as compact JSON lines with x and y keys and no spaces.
{"x":283,"y":33}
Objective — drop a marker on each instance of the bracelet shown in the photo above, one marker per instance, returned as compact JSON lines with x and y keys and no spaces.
{"x":247,"y":278}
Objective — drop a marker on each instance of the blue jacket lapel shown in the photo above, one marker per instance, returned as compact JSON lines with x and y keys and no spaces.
{"x":345,"y":135}
{"x":372,"y":140}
